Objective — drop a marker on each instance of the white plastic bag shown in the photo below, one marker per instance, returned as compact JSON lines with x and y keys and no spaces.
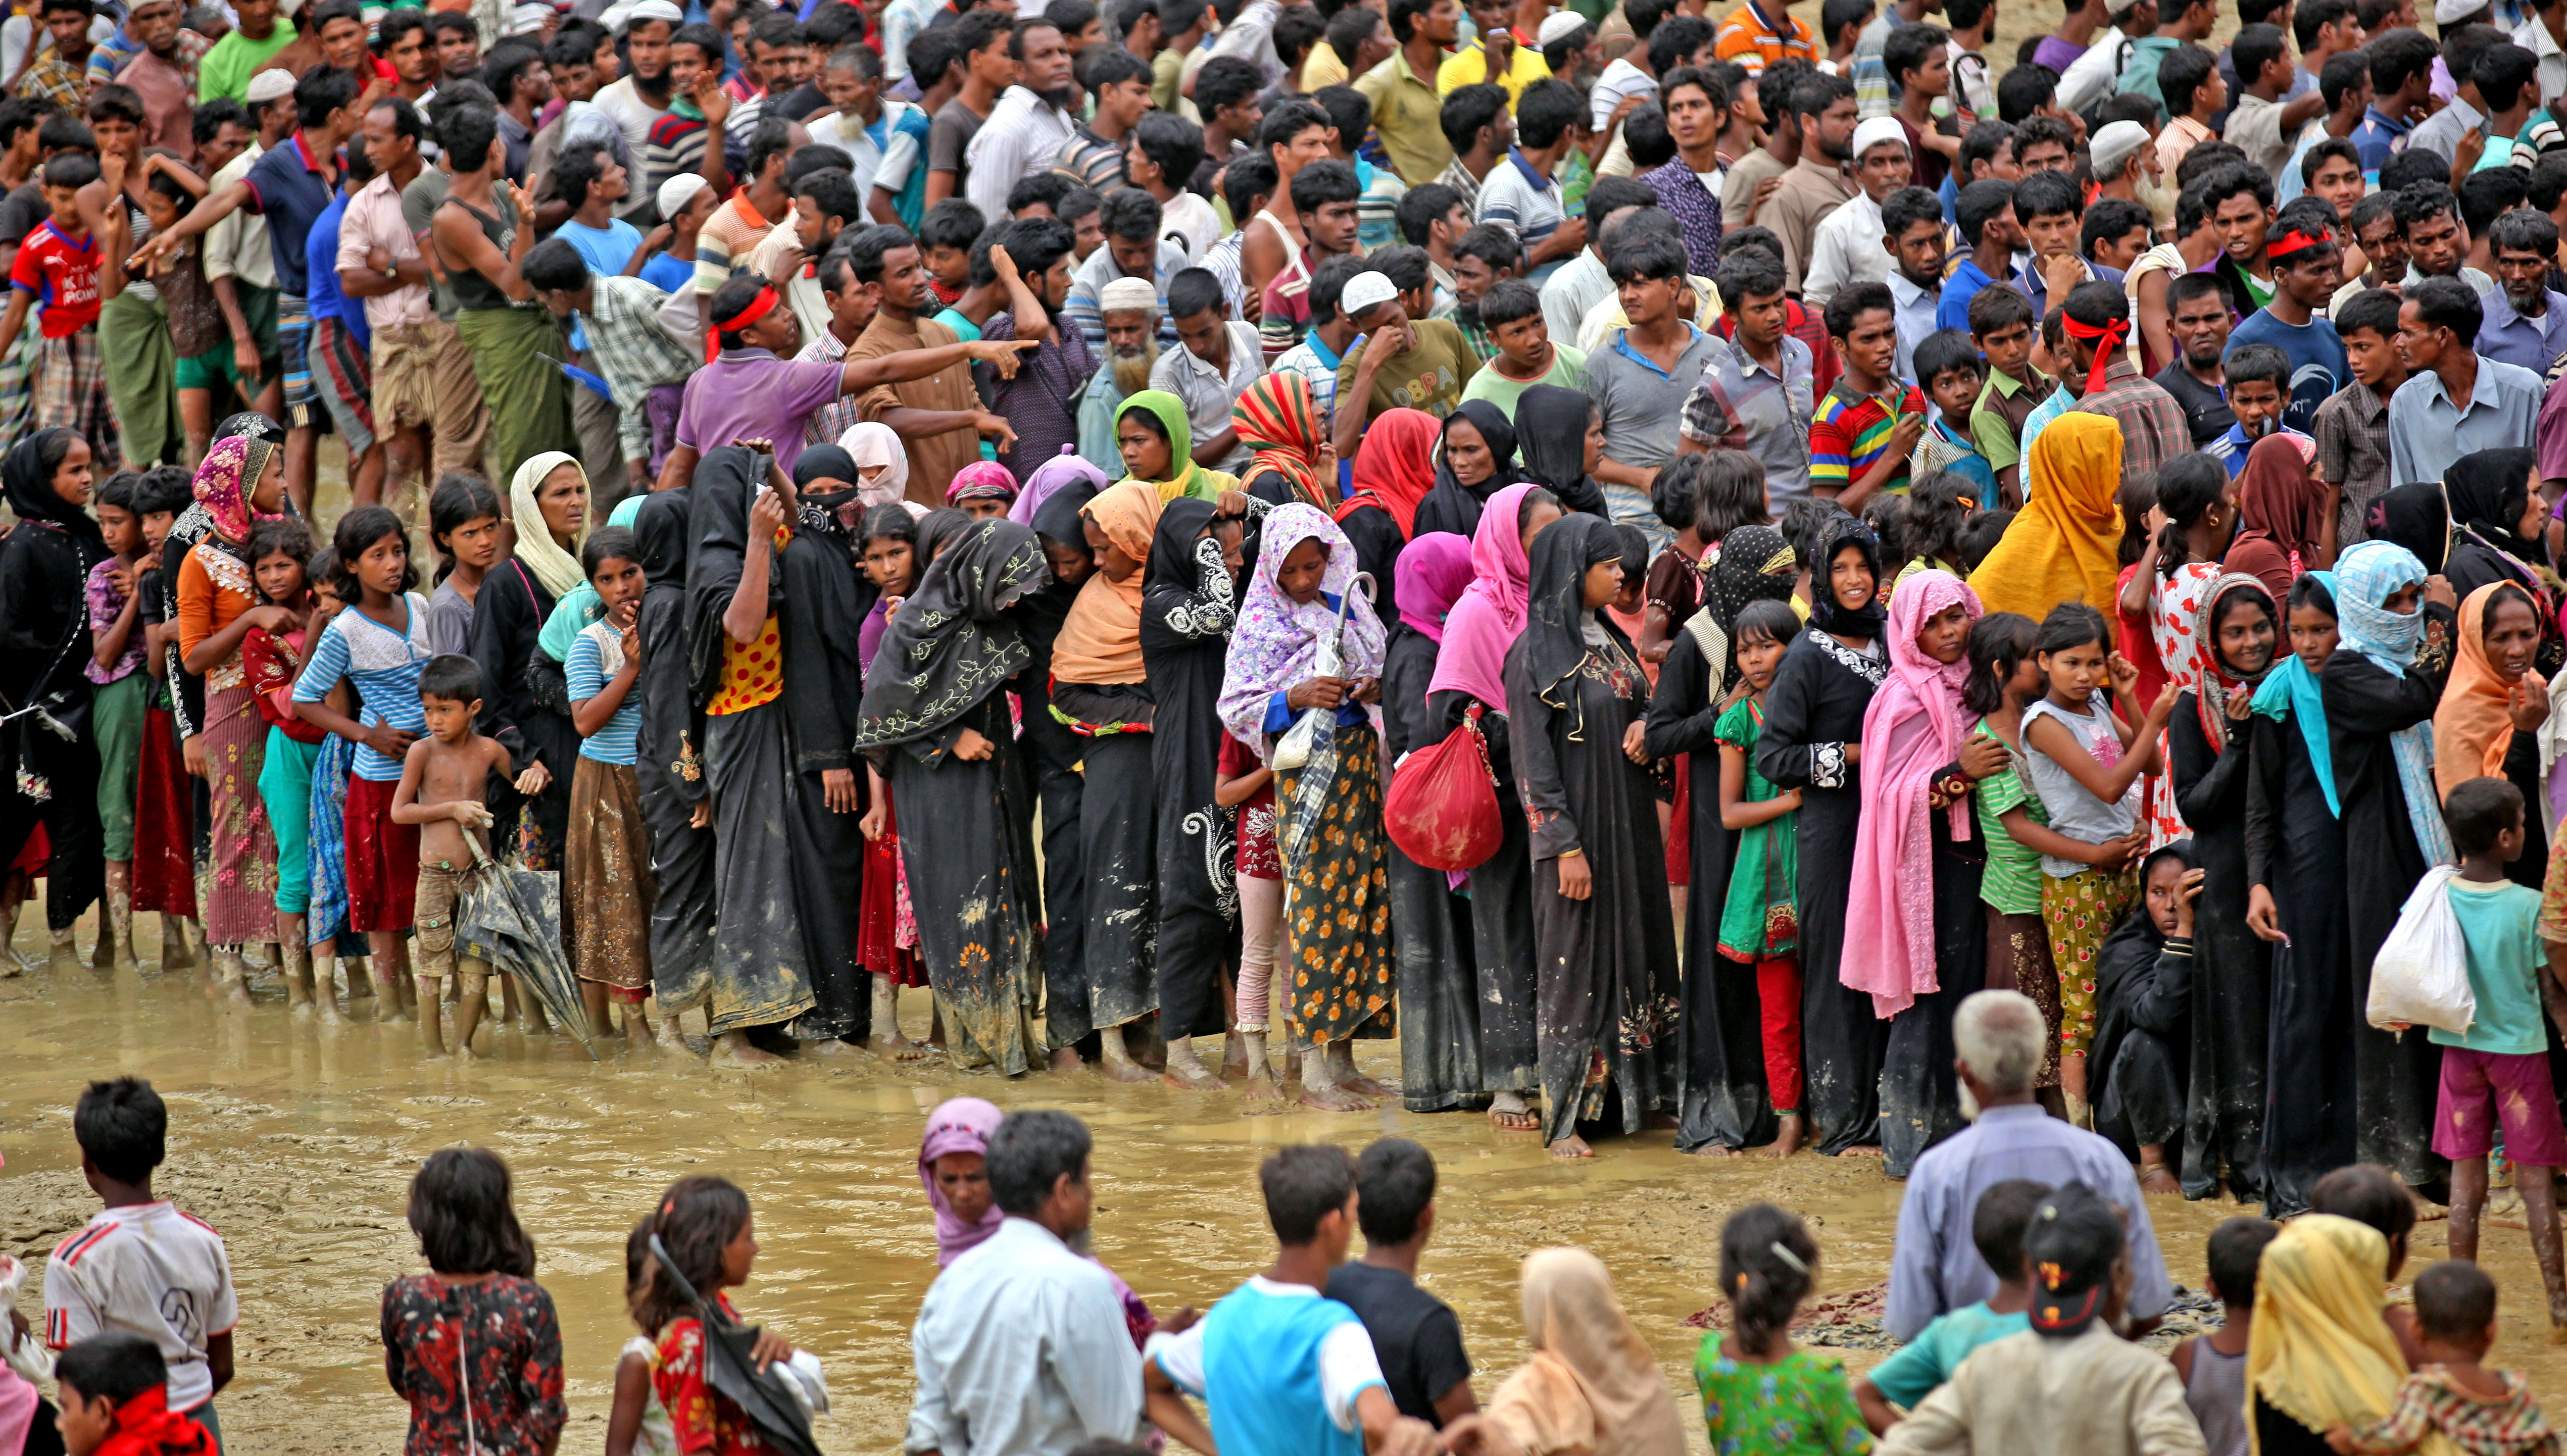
{"x":809,"y":1385}
{"x":2421,"y":976}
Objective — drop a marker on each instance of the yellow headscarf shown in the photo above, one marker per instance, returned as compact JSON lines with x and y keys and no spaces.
{"x":1592,"y":1385}
{"x":538,"y":552}
{"x":2319,"y":1352}
{"x":2065,"y":546}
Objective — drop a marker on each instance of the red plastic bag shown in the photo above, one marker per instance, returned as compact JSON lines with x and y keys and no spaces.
{"x":1442,"y":807}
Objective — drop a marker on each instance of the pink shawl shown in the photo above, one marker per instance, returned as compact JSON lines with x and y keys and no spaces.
{"x":961,"y":1125}
{"x":1912,"y":728}
{"x":1490,"y":612}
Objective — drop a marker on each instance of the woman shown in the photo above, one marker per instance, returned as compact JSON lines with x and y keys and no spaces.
{"x":217,"y":606}
{"x":2146,"y":980}
{"x":1293,"y":458}
{"x":1188,"y":600}
{"x":1100,"y":689}
{"x":2493,"y":708}
{"x":2064,"y":546}
{"x":525,"y":701}
{"x":937,"y":725}
{"x":2497,"y":518}
{"x":1914,"y":937}
{"x":1726,"y":1107}
{"x":2378,"y":703}
{"x":952,"y":1165}
{"x":882,"y":467}
{"x":676,"y":801}
{"x":2210,"y":765}
{"x":1576,"y":697}
{"x":2195,"y":510}
{"x":1336,"y":953}
{"x":1062,"y":471}
{"x":1392,"y":477}
{"x":2284,"y":525}
{"x":44,"y":640}
{"x":1814,"y":716}
{"x":1158,"y":448}
{"x":1563,"y":438}
{"x":1430,"y":920}
{"x":1470,"y":672}
{"x":1592,"y":1387}
{"x":1475,"y":459}
{"x":2320,"y":1354}
{"x":886,"y":927}
{"x":1057,"y":754}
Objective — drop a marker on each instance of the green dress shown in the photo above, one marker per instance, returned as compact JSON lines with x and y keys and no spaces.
{"x":1798,"y":1406}
{"x":1759,"y":920}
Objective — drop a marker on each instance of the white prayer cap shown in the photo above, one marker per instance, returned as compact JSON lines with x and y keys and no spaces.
{"x":2111,"y":149}
{"x":677,"y":191}
{"x":1877,"y":130}
{"x":642,"y":10}
{"x":1366,"y":291}
{"x":527,"y":19}
{"x":1557,"y":25}
{"x":1126,"y":295}
{"x":268,"y":86}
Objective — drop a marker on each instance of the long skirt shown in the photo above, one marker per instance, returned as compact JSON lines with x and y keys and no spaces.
{"x":326,"y":837}
{"x":142,"y":378}
{"x":116,"y":716}
{"x":1337,"y":952}
{"x":529,"y":399}
{"x":969,"y":847}
{"x":1065,"y":886}
{"x":681,"y":873}
{"x":1118,"y":843}
{"x":878,"y":949}
{"x":2019,"y":959}
{"x":606,"y":890}
{"x":1439,"y":1023}
{"x":2081,"y":912}
{"x":825,"y":843}
{"x":285,"y":786}
{"x":240,"y":902}
{"x":761,"y":966}
{"x":1503,"y":951}
{"x":165,"y":831}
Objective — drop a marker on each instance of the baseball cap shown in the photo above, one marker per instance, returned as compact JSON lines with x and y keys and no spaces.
{"x":1366,"y":291}
{"x":2070,"y":1250}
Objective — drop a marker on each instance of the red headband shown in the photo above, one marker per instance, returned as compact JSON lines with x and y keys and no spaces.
{"x":2292,"y":242}
{"x":757,"y":309}
{"x":2114,"y":335}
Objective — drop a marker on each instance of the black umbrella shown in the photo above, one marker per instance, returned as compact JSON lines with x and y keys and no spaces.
{"x":514,"y":918}
{"x":760,"y":1394}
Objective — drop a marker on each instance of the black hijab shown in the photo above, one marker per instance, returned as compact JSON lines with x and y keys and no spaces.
{"x":2488,"y":492}
{"x":1841,"y":533}
{"x":1451,"y":505}
{"x":939,"y":527}
{"x":1553,"y":641}
{"x":951,"y":644}
{"x":2413,"y":516}
{"x":1056,"y":520}
{"x":1755,"y":564}
{"x":725,"y":485}
{"x":1182,"y":523}
{"x":661,"y":533}
{"x":1551,"y":423}
{"x":27,"y":478}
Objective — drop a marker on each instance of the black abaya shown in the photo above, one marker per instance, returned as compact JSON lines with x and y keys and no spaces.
{"x":44,"y":644}
{"x":2146,"y":994}
{"x":1502,"y":935}
{"x":669,"y":765}
{"x":1118,"y":853}
{"x":1920,"y":1092}
{"x":1439,"y":1013}
{"x":525,"y":705}
{"x":1187,"y":604}
{"x":822,"y":609}
{"x":2228,"y":1027}
{"x":1056,"y":751}
{"x":2295,"y":850}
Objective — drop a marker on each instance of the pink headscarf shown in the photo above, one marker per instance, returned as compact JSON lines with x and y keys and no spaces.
{"x":961,"y":1125}
{"x":1912,"y":731}
{"x":1430,"y":576}
{"x":1491,"y":611}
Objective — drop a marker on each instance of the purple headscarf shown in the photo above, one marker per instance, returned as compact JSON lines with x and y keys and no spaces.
{"x":961,"y":1125}
{"x":1276,"y":642}
{"x":1432,"y":573}
{"x":1066,"y":469}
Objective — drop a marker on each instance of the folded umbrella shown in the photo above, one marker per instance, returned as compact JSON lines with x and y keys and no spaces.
{"x":513,"y":916}
{"x":729,"y":1367}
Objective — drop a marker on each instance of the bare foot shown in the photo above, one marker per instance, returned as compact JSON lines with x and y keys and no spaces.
{"x":1862,"y":1150}
{"x":1234,"y":1055}
{"x":1361,"y":1085}
{"x":731,"y":1048}
{"x":1335,"y":1098}
{"x":2157,"y":1182}
{"x":1128,"y":1072}
{"x":1260,"y":1087}
{"x":1067,"y":1060}
{"x":2558,"y":1331}
{"x":1786,"y":1142}
{"x":1572,"y":1146}
{"x":1516,"y":1118}
{"x":1707,"y":1150}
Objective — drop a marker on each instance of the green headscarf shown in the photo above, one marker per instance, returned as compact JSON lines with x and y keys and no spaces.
{"x":1189,"y":480}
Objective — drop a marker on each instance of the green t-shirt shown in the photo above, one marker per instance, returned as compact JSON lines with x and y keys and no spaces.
{"x":2501,"y":923}
{"x":2012,"y":881}
{"x":1567,"y":370}
{"x":227,"y":69}
{"x":1930,"y":1359}
{"x":1428,"y":377}
{"x":1799,"y":1405}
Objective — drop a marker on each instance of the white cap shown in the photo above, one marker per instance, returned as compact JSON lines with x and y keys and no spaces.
{"x":268,"y":86}
{"x":1364,"y":291}
{"x":2452,"y":12}
{"x":2119,"y":7}
{"x":527,"y":19}
{"x":644,"y":10}
{"x":677,"y":191}
{"x":1877,"y":130}
{"x":2111,"y":149}
{"x":1127,"y":295}
{"x":1559,"y":26}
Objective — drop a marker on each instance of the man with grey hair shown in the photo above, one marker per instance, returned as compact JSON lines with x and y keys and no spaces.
{"x":1934,"y":1268}
{"x":1130,"y":309}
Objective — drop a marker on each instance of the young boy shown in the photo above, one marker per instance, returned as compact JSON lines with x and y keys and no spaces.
{"x":1867,"y":427}
{"x":140,"y":1266}
{"x":2212,"y":1364}
{"x":1997,"y":1227}
{"x":2258,"y":390}
{"x":1218,"y":359}
{"x":2481,"y":1412}
{"x":1414,"y":1335}
{"x":444,"y":782}
{"x":2351,"y":430}
{"x":1511,"y":312}
{"x":2001,"y":323}
{"x":116,"y":1401}
{"x":56,"y":270}
{"x":1947,"y":363}
{"x":945,"y":245}
{"x":1284,"y":1369}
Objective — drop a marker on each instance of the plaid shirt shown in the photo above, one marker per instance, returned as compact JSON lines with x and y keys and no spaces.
{"x":51,"y":78}
{"x":2429,"y":1403}
{"x":1459,"y":178}
{"x":634,"y":353}
{"x":2152,"y":427}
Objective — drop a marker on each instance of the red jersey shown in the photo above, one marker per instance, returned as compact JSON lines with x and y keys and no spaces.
{"x":62,"y":271}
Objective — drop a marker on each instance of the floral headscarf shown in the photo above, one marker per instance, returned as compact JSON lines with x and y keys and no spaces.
{"x":982,"y":481}
{"x":2213,"y":677}
{"x":1277,"y":640}
{"x":225,"y":481}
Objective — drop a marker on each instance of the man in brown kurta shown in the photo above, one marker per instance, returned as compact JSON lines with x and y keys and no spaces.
{"x":933,"y":457}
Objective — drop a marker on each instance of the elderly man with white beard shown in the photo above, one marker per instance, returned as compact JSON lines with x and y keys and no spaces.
{"x":1130,"y":308}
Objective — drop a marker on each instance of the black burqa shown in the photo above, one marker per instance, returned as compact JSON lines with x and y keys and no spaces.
{"x":668,"y":763}
{"x":1188,"y":603}
{"x":1608,"y":978}
{"x":1813,"y":712}
{"x":2144,"y":990}
{"x":45,"y":563}
{"x":1550,"y":426}
{"x":1450,"y":505}
{"x":1430,"y":922}
{"x":525,"y":705}
{"x":967,"y":829}
{"x":2488,"y":492}
{"x":1726,"y":1101}
{"x":1056,"y":752}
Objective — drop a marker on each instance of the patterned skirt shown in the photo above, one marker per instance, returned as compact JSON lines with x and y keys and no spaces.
{"x":1337,"y":950}
{"x":2019,"y":959}
{"x":240,"y":902}
{"x":2081,"y":912}
{"x":880,"y":947}
{"x":607,"y":892}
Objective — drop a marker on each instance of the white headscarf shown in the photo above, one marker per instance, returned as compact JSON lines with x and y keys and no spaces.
{"x":557,"y":569}
{"x":872,"y":443}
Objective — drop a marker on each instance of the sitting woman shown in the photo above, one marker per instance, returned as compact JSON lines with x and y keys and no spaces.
{"x":2143,"y":980}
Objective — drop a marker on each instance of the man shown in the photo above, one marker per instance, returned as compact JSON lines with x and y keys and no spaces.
{"x":1627,"y":81}
{"x":2453,"y":403}
{"x":1642,"y":377}
{"x":2199,"y":320}
{"x":2540,"y":33}
{"x":1293,"y":137}
{"x":1864,"y":429}
{"x":1485,"y":255}
{"x":1753,"y":175}
{"x":1131,"y":311}
{"x":1913,"y":233}
{"x":1756,"y":41}
{"x":403,"y":42}
{"x":1407,"y":109}
{"x":1816,"y":184}
{"x":1433,"y":219}
{"x":1402,"y":362}
{"x":2304,"y":259}
{"x":2238,"y":201}
{"x":2090,"y":78}
{"x":1694,"y":102}
{"x":478,"y":227}
{"x":1757,"y":393}
{"x":936,"y":411}
{"x":1219,"y":360}
{"x":2353,"y":428}
{"x":59,"y":73}
{"x":2154,"y":431}
{"x":459,"y":45}
{"x":1030,"y":123}
{"x":2179,"y":23}
{"x":1520,"y":194}
{"x":1875,"y":91}
{"x":739,"y":226}
{"x":1227,"y":96}
{"x":1997,"y":1038}
{"x":258,"y":35}
{"x":240,"y":266}
{"x":2467,"y":109}
{"x":524,"y":87}
{"x":2437,"y":245}
{"x":1479,"y":131}
{"x":1133,"y":250}
{"x":2402,"y":80}
{"x":1034,"y":263}
{"x":1414,"y":1333}
{"x":1919,"y":59}
{"x":164,"y":75}
{"x":1511,"y":313}
{"x":2526,"y":320}
{"x":1851,"y":244}
{"x":423,"y":382}
{"x":1495,"y":53}
{"x":1988,"y":228}
{"x":1120,"y":81}
{"x":1020,"y":1345}
{"x":638,"y":100}
{"x":2265,"y":121}
{"x":2195,"y":98}
{"x":1582,"y":282}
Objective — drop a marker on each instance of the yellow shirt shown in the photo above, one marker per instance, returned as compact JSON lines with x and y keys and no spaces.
{"x":752,"y":675}
{"x":1324,"y":67}
{"x":1470,"y":67}
{"x":1408,"y":115}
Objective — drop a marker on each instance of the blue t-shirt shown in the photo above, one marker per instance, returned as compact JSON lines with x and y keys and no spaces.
{"x":320,"y":264}
{"x":287,"y":191}
{"x":1930,"y":1359}
{"x":2318,"y":366}
{"x":384,"y":665}
{"x":1266,"y":1361}
{"x":605,"y":249}
{"x":667,"y":274}
{"x":2232,"y":445}
{"x":1952,"y":310}
{"x":585,"y":670}
{"x":2502,"y":924}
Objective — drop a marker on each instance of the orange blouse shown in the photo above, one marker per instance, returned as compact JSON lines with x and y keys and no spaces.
{"x":214,"y":588}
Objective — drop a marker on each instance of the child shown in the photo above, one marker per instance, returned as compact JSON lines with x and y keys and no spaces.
{"x":2213,"y":1366}
{"x":1997,"y":1226}
{"x":2481,"y":1412}
{"x":886,"y":937}
{"x":1939,"y":505}
{"x":1948,"y":363}
{"x":279,"y":551}
{"x":115,"y":1402}
{"x":1760,"y":925}
{"x":2497,"y":1071}
{"x":704,"y":1222}
{"x":1242,"y":782}
{"x":117,"y":706}
{"x":325,"y":915}
{"x":164,"y":872}
{"x":1625,"y":606}
{"x":140,"y":1266}
{"x":56,"y":267}
{"x":2085,"y":765}
{"x":607,"y":895}
{"x":2351,"y":426}
{"x":638,"y":1424}
{"x":2001,"y":325}
{"x":2370,"y":1194}
{"x":1414,"y":1333}
{"x":473,"y":1345}
{"x":378,"y":643}
{"x":1867,"y":426}
{"x":2258,"y":389}
{"x":1756,"y":1387}
{"x":945,"y":245}
{"x":1980,"y":536}
{"x":463,"y":526}
{"x":443,"y":777}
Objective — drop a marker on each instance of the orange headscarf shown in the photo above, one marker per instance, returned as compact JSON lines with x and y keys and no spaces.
{"x":2473,"y":726}
{"x":2065,"y":546}
{"x":1100,"y":640}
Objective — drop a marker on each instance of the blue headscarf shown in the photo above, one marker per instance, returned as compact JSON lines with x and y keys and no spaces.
{"x":2292,"y":691}
{"x":2370,"y":573}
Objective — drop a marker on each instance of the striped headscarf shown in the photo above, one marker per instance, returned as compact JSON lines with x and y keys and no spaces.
{"x":1279,"y":420}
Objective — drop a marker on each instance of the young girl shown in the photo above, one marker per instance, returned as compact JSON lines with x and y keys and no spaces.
{"x":2086,"y":763}
{"x":885,"y":936}
{"x":380,"y":644}
{"x":1761,"y":1392}
{"x":464,"y":525}
{"x":473,"y":1345}
{"x":163,"y":873}
{"x":271,"y":656}
{"x":1939,"y":507}
{"x":607,"y":895}
{"x":116,"y":666}
{"x":1248,"y":786}
{"x":2195,"y":512}
{"x":1761,"y":925}
{"x":325,"y":915}
{"x":637,"y":1425}
{"x":703,"y":1224}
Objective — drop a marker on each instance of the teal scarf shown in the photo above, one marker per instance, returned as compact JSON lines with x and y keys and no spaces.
{"x":2291,"y":691}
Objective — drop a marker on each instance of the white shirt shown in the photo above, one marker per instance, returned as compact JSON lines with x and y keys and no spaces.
{"x":2092,"y":77}
{"x":630,"y":113}
{"x":236,"y":248}
{"x":1619,"y":79}
{"x":150,"y":1270}
{"x":1208,"y":392}
{"x":2534,"y":37}
{"x":1915,"y":316}
{"x":851,"y":135}
{"x":1570,"y":292}
{"x":1846,"y":249}
{"x":1022,"y":136}
{"x":1021,"y":1350}
{"x":1190,"y":222}
{"x":1347,"y":1362}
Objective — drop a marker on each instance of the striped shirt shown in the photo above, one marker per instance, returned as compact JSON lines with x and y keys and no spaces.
{"x":1849,"y":431}
{"x":1748,"y":39}
{"x":384,"y":665}
{"x":587,"y":674}
{"x":1515,"y":193}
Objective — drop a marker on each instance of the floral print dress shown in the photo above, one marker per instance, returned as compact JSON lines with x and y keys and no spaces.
{"x":480,"y":1364}
{"x":1799,"y":1405}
